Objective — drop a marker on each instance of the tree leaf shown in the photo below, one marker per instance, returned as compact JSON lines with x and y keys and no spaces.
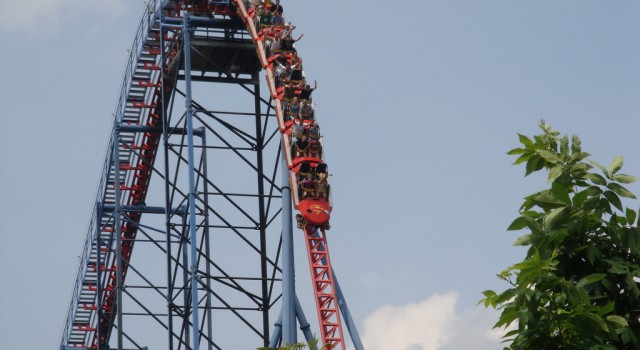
{"x":549,"y":156}
{"x":631,"y":216}
{"x":616,"y":267}
{"x":489,"y":296}
{"x":592,"y":278}
{"x":604,"y":170}
{"x":547,"y":201}
{"x":580,"y":197}
{"x":621,"y":191}
{"x":615,"y":165}
{"x":591,"y":203}
{"x":593,"y":254}
{"x":554,"y":173}
{"x":523,"y":316}
{"x":597,"y":179}
{"x":552,"y":217}
{"x":506,"y":295}
{"x":532,"y":164}
{"x":564,"y":146}
{"x":532,"y":224}
{"x":578,"y":156}
{"x":523,"y":240}
{"x":509,"y":334}
{"x":561,"y":193}
{"x":516,"y":151}
{"x":525,"y":141}
{"x":607,"y":308}
{"x":523,"y":158}
{"x":598,"y":320}
{"x":591,"y":323}
{"x":613,"y":199}
{"x":517,"y":224}
{"x":508,"y":316}
{"x":617,"y":321}
{"x":594,"y":190}
{"x":575,"y":144}
{"x":604,"y":205}
{"x":625,"y":179}
{"x":489,"y":293}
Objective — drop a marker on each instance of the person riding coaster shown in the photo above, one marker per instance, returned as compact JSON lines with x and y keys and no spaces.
{"x":314,"y":148}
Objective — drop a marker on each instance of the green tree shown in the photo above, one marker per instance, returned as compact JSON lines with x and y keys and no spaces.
{"x":298,"y":346}
{"x":312,"y":344}
{"x":577,"y":286}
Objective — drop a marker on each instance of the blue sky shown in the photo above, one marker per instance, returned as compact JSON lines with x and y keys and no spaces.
{"x":419,"y":102}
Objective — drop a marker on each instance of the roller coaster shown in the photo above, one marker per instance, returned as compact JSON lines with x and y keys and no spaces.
{"x":214,"y":249}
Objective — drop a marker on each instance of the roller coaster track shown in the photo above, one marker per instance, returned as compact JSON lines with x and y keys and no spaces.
{"x":140,"y":124}
{"x":317,"y":249}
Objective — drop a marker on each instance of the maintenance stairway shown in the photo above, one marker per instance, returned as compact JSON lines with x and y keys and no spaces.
{"x":138,"y":127}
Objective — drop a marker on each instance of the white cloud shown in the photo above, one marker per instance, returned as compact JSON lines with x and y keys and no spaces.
{"x":48,"y":15}
{"x":417,"y":326}
{"x":432,"y":324}
{"x":474,"y":330}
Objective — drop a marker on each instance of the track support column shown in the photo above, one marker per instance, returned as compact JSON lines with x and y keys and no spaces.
{"x":262,"y":220}
{"x":192,"y":186}
{"x":118,"y":230}
{"x":346,"y":316}
{"x":289,"y":334}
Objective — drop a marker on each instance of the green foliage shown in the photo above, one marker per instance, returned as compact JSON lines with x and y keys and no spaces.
{"x":576,"y":287}
{"x":312,"y":344}
{"x":298,"y":346}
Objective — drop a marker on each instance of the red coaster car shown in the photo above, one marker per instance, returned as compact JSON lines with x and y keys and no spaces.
{"x":312,"y":193}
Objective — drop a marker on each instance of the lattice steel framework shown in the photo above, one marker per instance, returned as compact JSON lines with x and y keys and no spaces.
{"x":212,"y":232}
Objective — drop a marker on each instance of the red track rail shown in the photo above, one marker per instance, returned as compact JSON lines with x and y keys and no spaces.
{"x":324,"y":287}
{"x":317,"y":248}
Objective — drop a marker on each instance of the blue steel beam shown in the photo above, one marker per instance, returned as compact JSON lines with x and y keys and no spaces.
{"x":305,"y":327}
{"x":142,"y":209}
{"x":118,"y":225}
{"x":289,"y":334}
{"x":276,"y":335}
{"x":346,"y":316}
{"x":192,"y":185}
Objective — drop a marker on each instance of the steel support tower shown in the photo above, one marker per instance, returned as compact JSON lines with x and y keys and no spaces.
{"x":213,"y":237}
